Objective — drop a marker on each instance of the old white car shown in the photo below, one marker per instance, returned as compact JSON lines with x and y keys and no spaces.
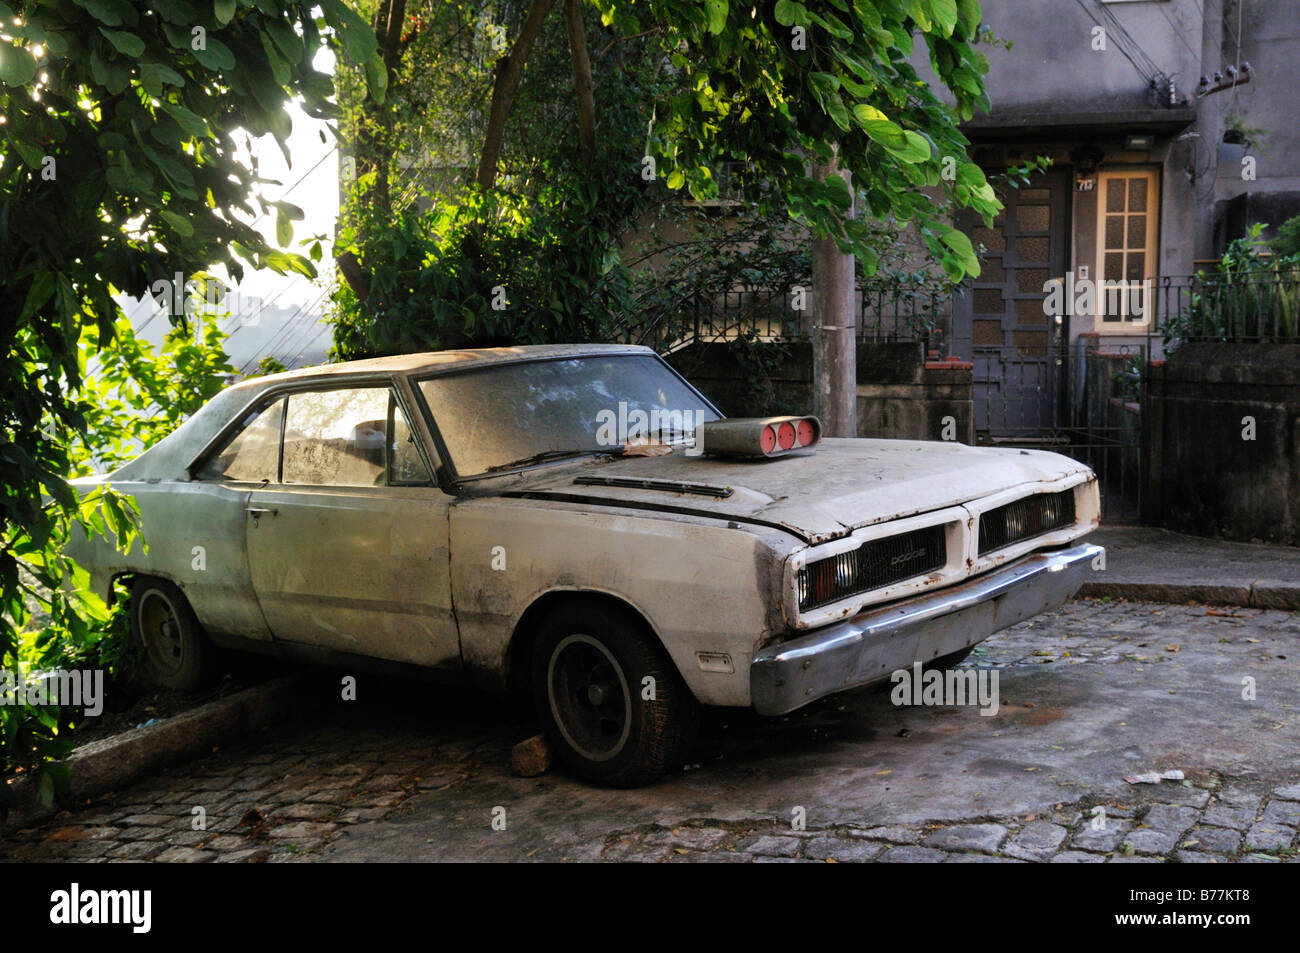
{"x":578,"y":522}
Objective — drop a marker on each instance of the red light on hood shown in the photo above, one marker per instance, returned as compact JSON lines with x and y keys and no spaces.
{"x":757,"y":437}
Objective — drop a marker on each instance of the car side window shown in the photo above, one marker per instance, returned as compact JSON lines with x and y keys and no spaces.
{"x":336,"y":437}
{"x":405,"y":465}
{"x":252,"y":455}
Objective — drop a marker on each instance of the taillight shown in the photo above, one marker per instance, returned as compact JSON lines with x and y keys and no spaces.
{"x":785,"y":435}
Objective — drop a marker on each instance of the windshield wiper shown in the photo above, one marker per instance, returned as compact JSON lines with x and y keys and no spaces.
{"x":550,"y":455}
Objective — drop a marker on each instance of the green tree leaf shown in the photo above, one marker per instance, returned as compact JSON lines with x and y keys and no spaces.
{"x":716,"y":10}
{"x":879,"y":127}
{"x":215,"y":55}
{"x":224,"y":11}
{"x":179,"y":222}
{"x":17,"y":66}
{"x":377,"y":77}
{"x":125,"y":43}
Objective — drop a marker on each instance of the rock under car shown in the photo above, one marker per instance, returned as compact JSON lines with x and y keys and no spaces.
{"x":580,"y":523}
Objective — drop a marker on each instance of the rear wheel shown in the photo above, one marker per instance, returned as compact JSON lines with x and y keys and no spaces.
{"x":613,"y":706}
{"x":177,"y":653}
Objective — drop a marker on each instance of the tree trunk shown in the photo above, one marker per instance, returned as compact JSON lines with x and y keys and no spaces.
{"x":582,"y":82}
{"x":835,"y":363}
{"x":510,"y":68}
{"x":373,"y":144}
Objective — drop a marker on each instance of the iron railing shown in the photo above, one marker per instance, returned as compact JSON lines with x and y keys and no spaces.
{"x":1261,"y":306}
{"x":904,"y":312}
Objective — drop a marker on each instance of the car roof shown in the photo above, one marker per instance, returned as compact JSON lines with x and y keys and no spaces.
{"x":168,"y":458}
{"x":430,"y":360}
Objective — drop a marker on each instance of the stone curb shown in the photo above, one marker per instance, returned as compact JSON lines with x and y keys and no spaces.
{"x":115,"y":762}
{"x":1258,"y":595}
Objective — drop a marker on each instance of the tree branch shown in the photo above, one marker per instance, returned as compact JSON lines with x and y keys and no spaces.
{"x":510,"y":68}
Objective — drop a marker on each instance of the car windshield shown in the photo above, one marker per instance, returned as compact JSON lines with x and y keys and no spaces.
{"x":508,"y":415}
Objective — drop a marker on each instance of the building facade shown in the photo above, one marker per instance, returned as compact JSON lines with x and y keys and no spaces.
{"x":1172,"y":125}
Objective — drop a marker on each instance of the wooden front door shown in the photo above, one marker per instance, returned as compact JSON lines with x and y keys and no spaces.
{"x":1001,"y":322}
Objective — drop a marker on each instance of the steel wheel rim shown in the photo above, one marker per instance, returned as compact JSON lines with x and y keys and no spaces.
{"x":589,"y":697}
{"x":160,"y":630}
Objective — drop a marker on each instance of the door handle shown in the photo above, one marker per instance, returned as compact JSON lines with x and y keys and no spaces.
{"x":259,"y":511}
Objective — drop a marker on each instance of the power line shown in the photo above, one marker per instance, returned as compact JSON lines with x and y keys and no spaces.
{"x":310,"y":329}
{"x":301,"y":179}
{"x":277,"y":337}
{"x":1196,"y":57}
{"x":285,"y":333}
{"x":1125,"y":43}
{"x":324,"y":329}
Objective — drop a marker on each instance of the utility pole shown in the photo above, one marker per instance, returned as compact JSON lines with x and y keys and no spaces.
{"x":834,"y":334}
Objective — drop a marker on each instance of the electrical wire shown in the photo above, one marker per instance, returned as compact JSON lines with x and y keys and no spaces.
{"x":310,"y":329}
{"x":324,"y":329}
{"x":1196,"y":57}
{"x":1125,"y":43}
{"x":301,"y":179}
{"x":280,"y":336}
{"x":1133,"y":45}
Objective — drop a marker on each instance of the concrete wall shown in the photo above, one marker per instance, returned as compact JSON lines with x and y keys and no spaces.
{"x":1054,"y":70}
{"x":1069,"y":82}
{"x":900,"y":395}
{"x":1201,"y":473}
{"x":1054,"y":49}
{"x":1269,"y":37}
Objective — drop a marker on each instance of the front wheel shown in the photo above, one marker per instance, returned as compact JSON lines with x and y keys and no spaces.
{"x":612,"y":704}
{"x":177,"y":653}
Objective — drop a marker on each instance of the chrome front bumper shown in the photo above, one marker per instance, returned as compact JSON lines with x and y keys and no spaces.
{"x":872,"y":645}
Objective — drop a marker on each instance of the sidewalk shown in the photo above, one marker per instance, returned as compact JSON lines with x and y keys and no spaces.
{"x":1155,"y":565}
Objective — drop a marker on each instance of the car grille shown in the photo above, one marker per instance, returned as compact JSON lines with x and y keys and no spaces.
{"x":873,"y":565}
{"x":1024,"y":519}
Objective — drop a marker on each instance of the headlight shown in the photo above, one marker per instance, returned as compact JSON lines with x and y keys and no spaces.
{"x":873,"y":565}
{"x":1025,"y":518}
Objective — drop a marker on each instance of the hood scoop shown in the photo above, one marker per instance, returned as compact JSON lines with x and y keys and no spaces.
{"x":757,"y":438}
{"x":649,"y":483}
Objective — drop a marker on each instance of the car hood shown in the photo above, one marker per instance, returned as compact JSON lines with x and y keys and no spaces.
{"x":830,"y":491}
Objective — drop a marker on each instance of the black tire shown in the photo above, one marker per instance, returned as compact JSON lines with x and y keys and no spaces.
{"x":590,"y":662}
{"x":177,"y":653}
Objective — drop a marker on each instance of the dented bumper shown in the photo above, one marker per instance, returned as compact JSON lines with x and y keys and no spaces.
{"x":875,"y":643}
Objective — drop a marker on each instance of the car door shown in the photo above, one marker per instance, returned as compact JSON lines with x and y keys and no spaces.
{"x":347,"y":550}
{"x":197,"y":528}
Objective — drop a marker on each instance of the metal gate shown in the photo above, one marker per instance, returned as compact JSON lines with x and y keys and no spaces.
{"x":1084,"y":402}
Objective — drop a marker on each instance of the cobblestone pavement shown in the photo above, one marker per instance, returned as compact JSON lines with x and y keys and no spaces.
{"x":416,"y":772}
{"x":1236,"y":822}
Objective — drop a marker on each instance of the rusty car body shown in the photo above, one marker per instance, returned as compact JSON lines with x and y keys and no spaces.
{"x":393,"y":509}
